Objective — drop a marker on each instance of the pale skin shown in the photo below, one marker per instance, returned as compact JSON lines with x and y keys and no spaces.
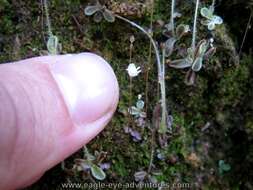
{"x":50,"y":108}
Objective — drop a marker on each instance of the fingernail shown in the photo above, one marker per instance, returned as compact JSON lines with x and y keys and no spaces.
{"x":88,"y":85}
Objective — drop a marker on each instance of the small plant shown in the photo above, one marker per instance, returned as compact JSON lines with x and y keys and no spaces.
{"x":211,"y":19}
{"x":137,"y":110}
{"x":92,"y":164}
{"x":173,"y":35}
{"x":53,"y":45}
{"x":181,"y":30}
{"x":99,"y":12}
{"x":194,"y":60}
{"x":223,"y":167}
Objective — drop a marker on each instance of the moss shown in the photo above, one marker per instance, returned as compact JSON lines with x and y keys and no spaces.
{"x":233,"y":86}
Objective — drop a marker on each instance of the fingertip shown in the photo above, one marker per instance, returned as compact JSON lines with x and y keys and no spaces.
{"x":88,"y":85}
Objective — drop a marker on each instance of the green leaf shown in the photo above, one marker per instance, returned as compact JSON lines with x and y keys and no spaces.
{"x":108,"y":15}
{"x":169,"y":46}
{"x":202,"y":47}
{"x":97,"y":172}
{"x":226,"y":167}
{"x":52,"y":44}
{"x":180,"y":63}
{"x":190,"y":53}
{"x":90,"y":10}
{"x":217,"y":20}
{"x":197,"y":64}
{"x":140,"y":104}
{"x":181,"y":30}
{"x":211,"y":26}
{"x":205,"y":22}
{"x":207,"y":13}
{"x":134,"y":110}
{"x":223,"y":166}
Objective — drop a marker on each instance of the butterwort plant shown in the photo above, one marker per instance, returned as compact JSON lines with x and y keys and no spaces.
{"x":53,"y":45}
{"x":99,"y":11}
{"x":174,"y":34}
{"x":194,"y":60}
{"x":196,"y":54}
{"x":211,"y":20}
{"x":92,"y":164}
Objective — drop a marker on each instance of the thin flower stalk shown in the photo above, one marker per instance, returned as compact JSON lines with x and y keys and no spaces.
{"x":194,"y":33}
{"x":130,"y":78}
{"x":49,"y":28}
{"x":246,"y":33}
{"x":149,"y":57}
{"x":161,"y":74}
{"x":172,"y":17}
{"x":213,"y":3}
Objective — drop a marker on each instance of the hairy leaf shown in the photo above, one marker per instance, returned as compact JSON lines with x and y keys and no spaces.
{"x":90,"y":10}
{"x":169,"y":46}
{"x":108,"y":15}
{"x":97,"y":172}
{"x":180,"y":64}
{"x":207,"y":13}
{"x":197,"y":64}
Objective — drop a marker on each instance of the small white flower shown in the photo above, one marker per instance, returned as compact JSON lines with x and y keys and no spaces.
{"x":211,"y":40}
{"x":132,"y":70}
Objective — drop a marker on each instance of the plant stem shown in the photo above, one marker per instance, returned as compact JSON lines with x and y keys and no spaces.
{"x":161,"y":74}
{"x":195,"y":25}
{"x":130,"y":85}
{"x":130,"y":96}
{"x":213,"y":3}
{"x":149,"y":58}
{"x":172,"y":17}
{"x":245,"y":34}
{"x":49,"y":28}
